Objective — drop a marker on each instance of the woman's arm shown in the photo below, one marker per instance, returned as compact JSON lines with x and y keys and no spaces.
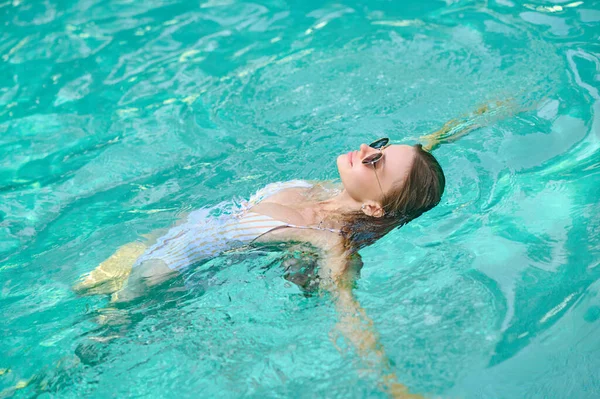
{"x":457,"y":128}
{"x":357,"y":327}
{"x":338,"y":270}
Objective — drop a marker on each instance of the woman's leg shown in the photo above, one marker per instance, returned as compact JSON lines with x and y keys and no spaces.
{"x":110,"y":275}
{"x":145,"y":275}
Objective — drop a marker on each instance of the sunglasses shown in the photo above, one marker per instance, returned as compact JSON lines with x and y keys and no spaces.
{"x":380,"y":145}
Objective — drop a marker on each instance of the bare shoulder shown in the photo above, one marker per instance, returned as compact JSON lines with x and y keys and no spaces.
{"x":287,"y":196}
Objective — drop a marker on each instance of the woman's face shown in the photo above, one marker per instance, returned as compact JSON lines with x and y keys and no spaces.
{"x":359,"y":179}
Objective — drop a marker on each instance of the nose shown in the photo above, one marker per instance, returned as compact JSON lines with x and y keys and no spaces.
{"x":365,"y":151}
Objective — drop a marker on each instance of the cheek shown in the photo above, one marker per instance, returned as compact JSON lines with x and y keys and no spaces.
{"x":356,"y":181}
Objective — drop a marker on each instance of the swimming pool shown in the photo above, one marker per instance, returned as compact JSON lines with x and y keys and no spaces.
{"x":118,"y":116}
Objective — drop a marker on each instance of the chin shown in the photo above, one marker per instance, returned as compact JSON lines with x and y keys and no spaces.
{"x":340,"y":170}
{"x":339,"y":162}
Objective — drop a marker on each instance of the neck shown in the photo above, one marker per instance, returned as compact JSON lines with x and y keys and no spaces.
{"x":329,"y":211}
{"x":341,"y":203}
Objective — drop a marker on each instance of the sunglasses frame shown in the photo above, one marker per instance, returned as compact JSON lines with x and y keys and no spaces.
{"x":379,"y":144}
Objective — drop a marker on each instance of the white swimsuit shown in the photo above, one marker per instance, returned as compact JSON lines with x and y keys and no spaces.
{"x":204,"y":236}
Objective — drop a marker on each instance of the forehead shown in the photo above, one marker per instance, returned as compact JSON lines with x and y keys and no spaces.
{"x":398,"y":160}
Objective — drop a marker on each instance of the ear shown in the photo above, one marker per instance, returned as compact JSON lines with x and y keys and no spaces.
{"x":372,"y":209}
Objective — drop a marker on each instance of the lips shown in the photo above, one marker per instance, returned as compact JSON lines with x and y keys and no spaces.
{"x":350,"y":158}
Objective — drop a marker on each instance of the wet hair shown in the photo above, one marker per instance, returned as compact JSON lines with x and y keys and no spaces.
{"x":420,"y":191}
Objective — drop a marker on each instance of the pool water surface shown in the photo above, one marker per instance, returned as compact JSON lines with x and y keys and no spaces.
{"x":118,"y":117}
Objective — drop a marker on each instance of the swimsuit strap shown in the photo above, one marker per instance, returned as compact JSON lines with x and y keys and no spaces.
{"x":315,"y":228}
{"x":253,"y":225}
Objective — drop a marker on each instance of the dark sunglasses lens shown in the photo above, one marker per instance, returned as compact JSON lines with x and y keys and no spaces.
{"x":372,"y":158}
{"x":379,"y":143}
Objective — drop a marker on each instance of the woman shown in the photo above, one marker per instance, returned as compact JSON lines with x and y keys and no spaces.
{"x":383,"y":187}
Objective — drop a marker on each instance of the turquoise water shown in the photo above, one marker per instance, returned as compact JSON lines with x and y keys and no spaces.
{"x":116,"y":117}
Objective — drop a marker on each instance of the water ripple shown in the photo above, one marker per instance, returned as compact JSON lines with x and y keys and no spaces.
{"x":117,"y":117}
